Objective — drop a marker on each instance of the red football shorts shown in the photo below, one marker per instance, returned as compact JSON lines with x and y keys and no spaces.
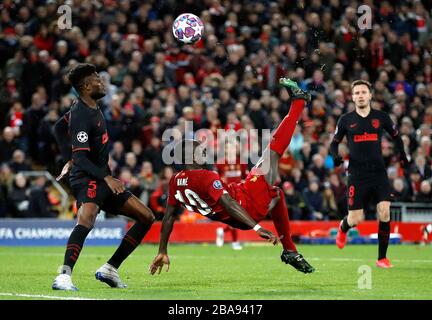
{"x":254,"y":195}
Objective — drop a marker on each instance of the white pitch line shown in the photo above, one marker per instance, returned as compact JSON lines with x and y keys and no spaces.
{"x":9,"y":294}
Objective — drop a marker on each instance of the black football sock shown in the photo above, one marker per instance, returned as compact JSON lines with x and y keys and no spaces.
{"x":130,"y":241}
{"x":73,"y":248}
{"x":383,"y":239}
{"x":345,"y":226}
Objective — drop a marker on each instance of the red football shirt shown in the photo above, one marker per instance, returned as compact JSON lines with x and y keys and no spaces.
{"x":199,"y":191}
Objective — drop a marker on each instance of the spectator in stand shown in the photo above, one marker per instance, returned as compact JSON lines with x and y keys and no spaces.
{"x":299,"y":180}
{"x":426,"y":147}
{"x":6,"y":182}
{"x":339,"y":191}
{"x":15,"y":117}
{"x":296,"y":144}
{"x":425,"y":193}
{"x":8,"y":145}
{"x":114,"y":117}
{"x":130,"y":181}
{"x":153,"y":154}
{"x":415,"y":181}
{"x":316,"y":84}
{"x":329,"y":208}
{"x":317,"y":167}
{"x":422,"y":167}
{"x":286,"y":164}
{"x":18,"y":162}
{"x":306,"y":154}
{"x":314,"y":201}
{"x":137,"y":150}
{"x":294,"y":201}
{"x":149,"y":181}
{"x":400,"y":192}
{"x":34,"y":73}
{"x":131,"y":163}
{"x":159,"y":197}
{"x":39,"y":203}
{"x":117,"y":154}
{"x":9,"y":93}
{"x":18,"y":197}
{"x":47,"y":143}
{"x":258,"y":116}
{"x":32,"y":119}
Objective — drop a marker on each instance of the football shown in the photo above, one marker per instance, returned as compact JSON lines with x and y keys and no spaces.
{"x":188,"y":28}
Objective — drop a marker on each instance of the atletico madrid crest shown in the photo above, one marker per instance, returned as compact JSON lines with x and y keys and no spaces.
{"x":375,"y":123}
{"x":91,"y":193}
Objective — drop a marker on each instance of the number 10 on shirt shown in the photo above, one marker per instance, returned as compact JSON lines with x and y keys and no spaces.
{"x":194,"y":202}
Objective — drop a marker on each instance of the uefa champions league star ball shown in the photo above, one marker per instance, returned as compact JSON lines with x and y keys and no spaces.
{"x":188,"y":28}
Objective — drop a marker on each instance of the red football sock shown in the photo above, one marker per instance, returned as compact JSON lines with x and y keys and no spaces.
{"x":234,"y":233}
{"x":281,"y":222}
{"x":284,"y":132}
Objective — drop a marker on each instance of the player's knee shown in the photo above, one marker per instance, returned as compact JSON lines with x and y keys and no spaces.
{"x":87,"y":216}
{"x":383,"y":212}
{"x":87,"y":220}
{"x":151,"y":218}
{"x":146,"y":216}
{"x":357,"y":219}
{"x":354,"y":221}
{"x":384,"y":215}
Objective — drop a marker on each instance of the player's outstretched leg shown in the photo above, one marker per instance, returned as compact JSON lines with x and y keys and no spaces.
{"x":135,"y":209}
{"x":282,"y":135}
{"x":108,"y":273}
{"x":281,"y":221}
{"x":86,"y":219}
{"x":268,"y":164}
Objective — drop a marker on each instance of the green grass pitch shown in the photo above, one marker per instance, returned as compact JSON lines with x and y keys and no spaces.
{"x":208,"y":272}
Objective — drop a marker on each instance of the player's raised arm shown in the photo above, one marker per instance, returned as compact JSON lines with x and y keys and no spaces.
{"x":240,"y":214}
{"x":167,"y":226}
{"x":393,"y":131}
{"x":338,"y":136}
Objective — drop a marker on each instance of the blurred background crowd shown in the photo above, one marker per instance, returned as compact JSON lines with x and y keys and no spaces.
{"x":228,"y":80}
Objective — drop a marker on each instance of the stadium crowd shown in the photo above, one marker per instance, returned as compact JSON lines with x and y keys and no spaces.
{"x":228,"y":80}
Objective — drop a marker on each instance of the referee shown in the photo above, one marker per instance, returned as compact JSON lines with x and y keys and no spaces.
{"x":367,"y":176}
